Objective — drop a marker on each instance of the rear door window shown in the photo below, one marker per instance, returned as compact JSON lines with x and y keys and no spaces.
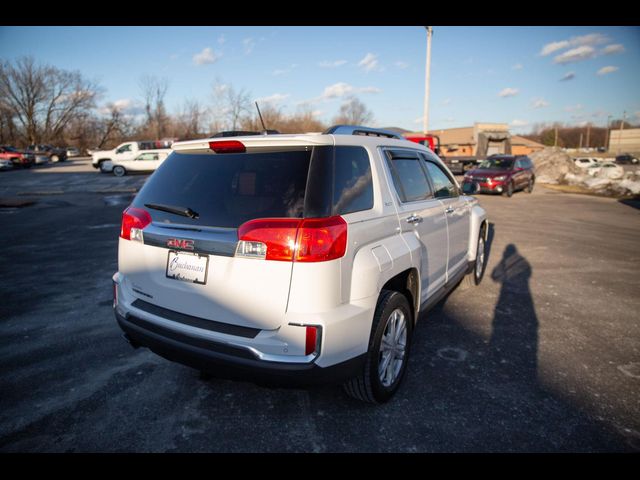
{"x":408,"y":176}
{"x":442,"y":184}
{"x":229,"y":189}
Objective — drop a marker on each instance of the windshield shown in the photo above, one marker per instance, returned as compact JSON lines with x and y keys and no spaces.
{"x":496,"y":163}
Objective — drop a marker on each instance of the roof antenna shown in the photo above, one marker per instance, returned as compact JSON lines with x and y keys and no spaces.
{"x":264,"y":132}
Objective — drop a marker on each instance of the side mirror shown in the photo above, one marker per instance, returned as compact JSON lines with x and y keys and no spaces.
{"x":470,"y":188}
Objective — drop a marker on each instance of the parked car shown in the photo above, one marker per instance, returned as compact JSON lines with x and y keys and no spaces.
{"x":6,"y":164}
{"x":585,"y":162}
{"x":626,"y":159}
{"x":17,"y":157}
{"x":104,"y":159}
{"x":298,"y":258}
{"x":73,"y":152}
{"x":53,"y":154}
{"x":503,"y":174}
{"x":147,"y":161}
{"x":606,"y":170}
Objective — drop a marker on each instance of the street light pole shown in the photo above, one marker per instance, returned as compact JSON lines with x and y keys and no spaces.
{"x":425,"y":124}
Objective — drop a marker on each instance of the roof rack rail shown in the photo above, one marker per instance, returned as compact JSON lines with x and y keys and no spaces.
{"x":359,"y":130}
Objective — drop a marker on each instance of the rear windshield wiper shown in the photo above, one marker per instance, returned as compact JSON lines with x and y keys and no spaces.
{"x":184,"y":211}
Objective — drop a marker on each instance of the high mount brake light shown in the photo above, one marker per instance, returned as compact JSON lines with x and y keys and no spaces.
{"x":133,"y":221}
{"x":227,"y":146}
{"x":290,"y":239}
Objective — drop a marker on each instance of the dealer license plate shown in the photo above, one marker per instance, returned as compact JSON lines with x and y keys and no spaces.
{"x":188,"y":267}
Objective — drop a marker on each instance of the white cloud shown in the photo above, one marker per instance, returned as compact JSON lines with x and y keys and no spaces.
{"x":222,"y":39}
{"x":401,"y":65}
{"x":508,"y":92}
{"x":612,"y":49}
{"x":206,"y":56}
{"x":519,"y":123}
{"x":249,"y":44}
{"x":329,"y":64}
{"x":573,"y":108}
{"x":568,"y":76}
{"x":517,"y":66}
{"x":283,"y":71}
{"x":576,"y":55}
{"x":341,"y":89}
{"x":369,"y":62}
{"x":274,"y":99}
{"x":606,"y":70}
{"x":549,"y":48}
{"x":539,"y":103}
{"x":126,"y":106}
{"x":589,"y":39}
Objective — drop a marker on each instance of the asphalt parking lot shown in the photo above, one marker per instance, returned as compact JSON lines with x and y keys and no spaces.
{"x":543,"y":356}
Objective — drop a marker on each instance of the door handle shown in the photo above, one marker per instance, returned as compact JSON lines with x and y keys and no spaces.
{"x":414,"y":219}
{"x":450,"y":210}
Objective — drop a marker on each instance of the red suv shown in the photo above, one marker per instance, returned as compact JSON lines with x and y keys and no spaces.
{"x":502,"y":174}
{"x":18,"y":158}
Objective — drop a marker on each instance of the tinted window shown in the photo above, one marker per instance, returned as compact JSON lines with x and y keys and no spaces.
{"x":409,"y":178}
{"x":352,"y":188}
{"x":228,"y":190}
{"x":442,"y":185}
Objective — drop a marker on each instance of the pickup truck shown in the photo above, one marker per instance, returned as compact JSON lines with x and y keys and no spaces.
{"x":104,"y":159}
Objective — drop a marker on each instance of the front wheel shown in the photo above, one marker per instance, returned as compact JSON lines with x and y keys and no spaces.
{"x":529,"y":188}
{"x":388,"y":353}
{"x":509,"y":191}
{"x":119,"y":171}
{"x":475,"y":276}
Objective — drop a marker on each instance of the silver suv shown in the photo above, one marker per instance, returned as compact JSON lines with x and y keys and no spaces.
{"x":295,"y":258}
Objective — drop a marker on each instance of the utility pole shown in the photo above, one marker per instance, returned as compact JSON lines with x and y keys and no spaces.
{"x":555,"y":142}
{"x":624,"y":119}
{"x":608,"y":139}
{"x":580,"y":147}
{"x":425,"y":124}
{"x":588,"y":133}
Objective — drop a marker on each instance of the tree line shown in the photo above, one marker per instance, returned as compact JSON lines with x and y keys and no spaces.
{"x":41,"y":103}
{"x":570,"y":136}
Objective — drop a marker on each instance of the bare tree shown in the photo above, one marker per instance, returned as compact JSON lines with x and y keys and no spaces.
{"x":190,"y":120}
{"x":230,"y":106}
{"x":353,"y":112}
{"x":154,"y":90}
{"x":43,"y":99}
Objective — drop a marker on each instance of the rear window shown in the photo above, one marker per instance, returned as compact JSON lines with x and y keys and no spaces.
{"x":228,"y":190}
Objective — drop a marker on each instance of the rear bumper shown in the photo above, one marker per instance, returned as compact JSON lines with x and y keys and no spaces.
{"x":229,"y":361}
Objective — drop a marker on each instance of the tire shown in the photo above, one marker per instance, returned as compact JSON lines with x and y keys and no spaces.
{"x":474,"y":277}
{"x":529,"y":188}
{"x":368,"y":386}
{"x":119,"y":171}
{"x":509,"y":191}
{"x":101,"y":167}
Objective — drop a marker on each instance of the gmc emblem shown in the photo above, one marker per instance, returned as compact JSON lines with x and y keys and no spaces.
{"x":180,"y":243}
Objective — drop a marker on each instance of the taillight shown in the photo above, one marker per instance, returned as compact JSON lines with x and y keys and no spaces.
{"x":311,"y":341}
{"x":289,"y":239}
{"x":227,"y":146}
{"x":268,"y":238}
{"x":321,"y":239}
{"x":133,"y":221}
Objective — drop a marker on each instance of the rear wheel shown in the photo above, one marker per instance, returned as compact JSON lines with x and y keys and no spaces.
{"x":388,"y":353}
{"x":119,"y":171}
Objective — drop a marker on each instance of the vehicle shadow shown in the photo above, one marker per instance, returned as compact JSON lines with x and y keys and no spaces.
{"x":631,"y":202}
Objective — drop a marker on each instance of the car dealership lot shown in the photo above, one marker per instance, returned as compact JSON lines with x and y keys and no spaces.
{"x":543,"y":356}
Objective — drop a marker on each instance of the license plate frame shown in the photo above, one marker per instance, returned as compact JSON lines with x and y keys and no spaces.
{"x":177,"y":254}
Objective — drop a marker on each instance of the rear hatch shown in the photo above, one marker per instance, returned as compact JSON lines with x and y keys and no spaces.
{"x":190,"y":208}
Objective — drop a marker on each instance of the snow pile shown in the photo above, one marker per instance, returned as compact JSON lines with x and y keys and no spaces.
{"x":556,"y":167}
{"x":552,"y":164}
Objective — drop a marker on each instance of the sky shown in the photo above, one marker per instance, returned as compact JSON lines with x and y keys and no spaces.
{"x":516,"y":75}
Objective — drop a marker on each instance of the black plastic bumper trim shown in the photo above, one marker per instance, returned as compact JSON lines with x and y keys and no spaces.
{"x":211,"y":325}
